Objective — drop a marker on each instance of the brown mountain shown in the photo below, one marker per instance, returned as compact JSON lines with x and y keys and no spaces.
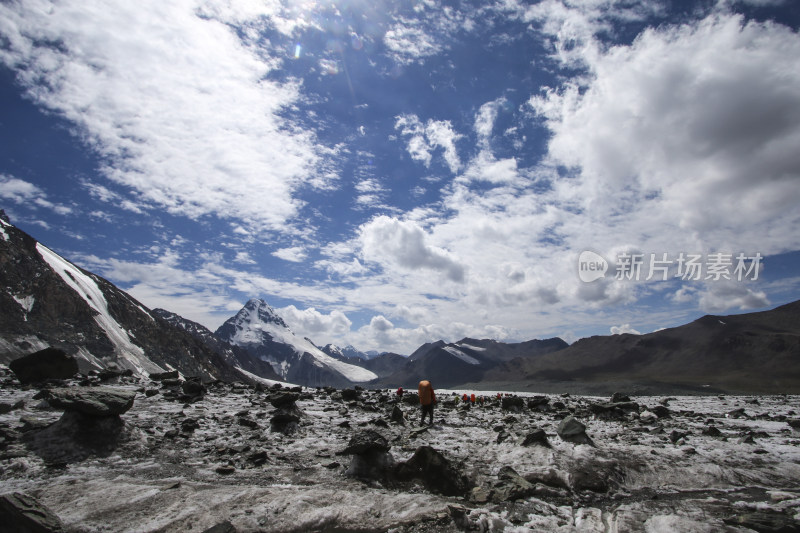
{"x":746,"y":353}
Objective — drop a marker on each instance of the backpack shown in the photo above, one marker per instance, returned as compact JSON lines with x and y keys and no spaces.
{"x":425,"y":392}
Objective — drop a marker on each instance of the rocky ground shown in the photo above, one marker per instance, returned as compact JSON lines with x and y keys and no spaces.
{"x":233,"y":458}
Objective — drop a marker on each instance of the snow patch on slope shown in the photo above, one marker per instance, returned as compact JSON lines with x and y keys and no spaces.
{"x":26,"y":303}
{"x":471,"y":347}
{"x":94,"y":297}
{"x":452,"y":350}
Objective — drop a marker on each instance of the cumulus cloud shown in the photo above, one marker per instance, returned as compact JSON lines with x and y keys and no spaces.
{"x":150,"y":88}
{"x":624,"y":328}
{"x":721,"y":296}
{"x":688,"y":124}
{"x":403,"y":244}
{"x":311,"y":323}
{"x":424,"y":138}
{"x":294,"y":254}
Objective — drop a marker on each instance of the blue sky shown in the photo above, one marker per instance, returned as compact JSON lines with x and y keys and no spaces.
{"x":387,"y":174}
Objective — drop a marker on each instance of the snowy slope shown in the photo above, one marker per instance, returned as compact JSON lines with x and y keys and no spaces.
{"x":87,"y":289}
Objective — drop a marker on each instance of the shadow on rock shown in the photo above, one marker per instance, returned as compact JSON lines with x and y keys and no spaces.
{"x":435,"y":472}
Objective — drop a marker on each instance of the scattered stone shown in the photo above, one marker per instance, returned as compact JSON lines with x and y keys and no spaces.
{"x":97,"y":401}
{"x":6,"y":408}
{"x":512,"y":403}
{"x":397,"y":416}
{"x":193,"y":390}
{"x":675,"y":435}
{"x":572,"y":430}
{"x":50,"y":363}
{"x":537,"y":437}
{"x":435,"y":471}
{"x":225,"y":470}
{"x":511,"y":486}
{"x":371,"y":458}
{"x":350,"y":395}
{"x":736,"y":413}
{"x":712,"y":431}
{"x":188,"y":425}
{"x":619,"y":397}
{"x":222,"y":527}
{"x":248,"y":422}
{"x":23,"y":514}
{"x":283,"y":400}
{"x":161,"y":376}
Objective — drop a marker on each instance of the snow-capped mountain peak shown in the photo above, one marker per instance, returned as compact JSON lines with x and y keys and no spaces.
{"x":260,"y":330}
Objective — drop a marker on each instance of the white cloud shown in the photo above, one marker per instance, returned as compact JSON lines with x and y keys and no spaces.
{"x":150,"y":86}
{"x":721,"y":296}
{"x":22,"y":192}
{"x":424,"y":138}
{"x":311,"y":323}
{"x":403,"y":244}
{"x":294,"y":254}
{"x":17,"y":190}
{"x":624,"y":328}
{"x":687,"y":126}
{"x":244,"y":258}
{"x":409,"y":43}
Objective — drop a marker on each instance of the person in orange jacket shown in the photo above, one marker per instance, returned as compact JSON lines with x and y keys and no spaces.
{"x":472,"y":398}
{"x":426,"y":399}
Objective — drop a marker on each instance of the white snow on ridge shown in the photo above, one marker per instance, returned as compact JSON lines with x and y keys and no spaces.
{"x":3,"y":232}
{"x":461,"y":355}
{"x":471,"y":347}
{"x":94,"y":297}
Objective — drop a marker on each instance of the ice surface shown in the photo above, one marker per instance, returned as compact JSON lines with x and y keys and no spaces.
{"x":171,"y":484}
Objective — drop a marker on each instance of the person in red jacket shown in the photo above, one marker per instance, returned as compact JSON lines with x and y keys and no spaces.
{"x":426,"y":399}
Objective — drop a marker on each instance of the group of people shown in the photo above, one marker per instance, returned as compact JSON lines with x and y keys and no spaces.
{"x":427,"y":399}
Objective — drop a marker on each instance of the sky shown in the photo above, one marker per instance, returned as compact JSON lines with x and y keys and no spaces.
{"x":389,"y":174}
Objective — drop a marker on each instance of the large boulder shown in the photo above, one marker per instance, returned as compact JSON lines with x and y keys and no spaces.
{"x":96,"y":401}
{"x":370,"y":456}
{"x":23,"y":514}
{"x":572,"y":430}
{"x":435,"y":471}
{"x":50,"y":363}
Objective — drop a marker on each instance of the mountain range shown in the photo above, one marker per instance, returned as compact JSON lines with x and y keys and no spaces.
{"x":48,"y":301}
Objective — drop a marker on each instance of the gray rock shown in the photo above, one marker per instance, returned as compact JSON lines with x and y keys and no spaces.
{"x":572,"y":430}
{"x":50,"y":363}
{"x":23,"y":514}
{"x":511,"y":486}
{"x":435,"y":471}
{"x":97,"y":401}
{"x":536,"y":437}
{"x":365,"y":441}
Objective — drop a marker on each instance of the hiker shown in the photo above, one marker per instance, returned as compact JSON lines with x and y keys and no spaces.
{"x":400,"y":392}
{"x":426,"y":399}
{"x":472,"y":398}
